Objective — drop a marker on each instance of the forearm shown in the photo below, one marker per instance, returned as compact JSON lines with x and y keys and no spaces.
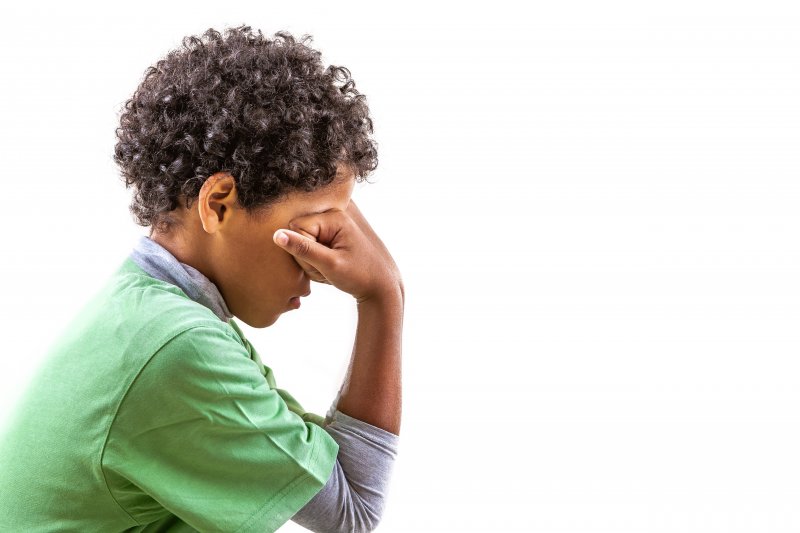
{"x":372,"y":388}
{"x":354,"y":497}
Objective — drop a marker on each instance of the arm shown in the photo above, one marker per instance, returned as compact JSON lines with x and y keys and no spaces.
{"x":365,"y":421}
{"x":341,"y":248}
{"x":372,"y":388}
{"x":354,"y":496}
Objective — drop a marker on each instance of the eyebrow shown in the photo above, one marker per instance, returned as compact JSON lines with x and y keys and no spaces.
{"x":313,"y":213}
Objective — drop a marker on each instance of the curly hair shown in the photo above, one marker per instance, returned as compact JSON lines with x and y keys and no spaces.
{"x":264,"y":110}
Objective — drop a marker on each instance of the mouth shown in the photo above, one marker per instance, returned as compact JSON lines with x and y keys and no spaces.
{"x":294,"y":301}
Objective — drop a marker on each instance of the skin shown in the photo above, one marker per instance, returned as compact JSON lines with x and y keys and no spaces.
{"x":329,"y":241}
{"x":235,"y":250}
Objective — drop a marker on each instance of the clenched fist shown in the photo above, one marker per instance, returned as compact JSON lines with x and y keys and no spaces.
{"x":340,"y":248}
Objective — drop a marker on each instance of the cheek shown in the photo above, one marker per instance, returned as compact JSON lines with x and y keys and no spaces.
{"x":268,"y":272}
{"x":283,"y":272}
{"x":264,"y":271}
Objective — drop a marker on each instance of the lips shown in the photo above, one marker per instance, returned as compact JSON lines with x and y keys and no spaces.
{"x":294,"y":301}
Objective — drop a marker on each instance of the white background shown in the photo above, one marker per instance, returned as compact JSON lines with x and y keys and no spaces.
{"x":594,"y":206}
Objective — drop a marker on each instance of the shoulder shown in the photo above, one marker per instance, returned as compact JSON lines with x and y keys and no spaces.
{"x":134,"y":316}
{"x":144,"y":295}
{"x":138,"y":301}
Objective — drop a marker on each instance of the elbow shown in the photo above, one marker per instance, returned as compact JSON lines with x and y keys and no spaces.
{"x":364,"y":527}
{"x":370,"y":525}
{"x":365,"y":517}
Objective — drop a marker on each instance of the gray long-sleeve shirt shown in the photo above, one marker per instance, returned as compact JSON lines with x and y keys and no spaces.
{"x":354,"y":496}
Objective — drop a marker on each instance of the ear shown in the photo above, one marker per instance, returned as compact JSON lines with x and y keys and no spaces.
{"x":216,"y":201}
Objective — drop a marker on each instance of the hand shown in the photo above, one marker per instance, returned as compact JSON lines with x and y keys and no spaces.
{"x":340,"y":248}
{"x":310,"y":270}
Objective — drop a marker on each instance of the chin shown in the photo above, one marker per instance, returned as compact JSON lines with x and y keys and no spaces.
{"x":261,"y":322}
{"x":269,"y":322}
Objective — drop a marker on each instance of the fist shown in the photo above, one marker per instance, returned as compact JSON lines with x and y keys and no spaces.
{"x":340,"y":248}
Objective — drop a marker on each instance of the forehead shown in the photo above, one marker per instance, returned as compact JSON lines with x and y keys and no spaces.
{"x":334,"y":195}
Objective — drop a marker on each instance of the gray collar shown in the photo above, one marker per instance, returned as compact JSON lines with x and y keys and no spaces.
{"x":161,"y":264}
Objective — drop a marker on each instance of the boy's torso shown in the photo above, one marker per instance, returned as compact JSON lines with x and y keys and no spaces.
{"x":50,"y":452}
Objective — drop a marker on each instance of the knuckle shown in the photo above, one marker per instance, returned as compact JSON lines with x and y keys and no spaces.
{"x":307,"y":234}
{"x":337,"y":263}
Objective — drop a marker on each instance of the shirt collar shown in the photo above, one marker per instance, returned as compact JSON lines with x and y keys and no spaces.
{"x":161,"y":264}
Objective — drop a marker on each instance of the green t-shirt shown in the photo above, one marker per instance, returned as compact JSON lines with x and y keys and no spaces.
{"x":149,"y":413}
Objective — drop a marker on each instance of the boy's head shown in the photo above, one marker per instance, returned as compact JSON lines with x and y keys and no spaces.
{"x":227,"y":139}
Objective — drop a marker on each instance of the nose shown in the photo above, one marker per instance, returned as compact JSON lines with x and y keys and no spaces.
{"x":308,"y":287}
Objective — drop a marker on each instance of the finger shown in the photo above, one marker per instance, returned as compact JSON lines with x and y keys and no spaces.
{"x":312,"y":273}
{"x":304,"y":233}
{"x":303,"y":248}
{"x":323,"y":226}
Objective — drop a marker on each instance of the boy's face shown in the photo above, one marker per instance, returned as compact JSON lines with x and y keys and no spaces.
{"x":236,"y":252}
{"x":256,"y":277}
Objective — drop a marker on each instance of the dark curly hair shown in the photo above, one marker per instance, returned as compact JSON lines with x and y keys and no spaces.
{"x":265,"y":111}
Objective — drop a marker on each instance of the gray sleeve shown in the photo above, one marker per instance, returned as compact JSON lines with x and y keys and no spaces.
{"x":352,"y":501}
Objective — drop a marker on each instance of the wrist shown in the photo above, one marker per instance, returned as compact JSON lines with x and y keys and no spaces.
{"x":389,"y":294}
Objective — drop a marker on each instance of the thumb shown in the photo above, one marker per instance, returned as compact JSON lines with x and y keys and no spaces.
{"x":301,"y":247}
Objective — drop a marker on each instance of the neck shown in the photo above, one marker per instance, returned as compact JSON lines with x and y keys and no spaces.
{"x":184,"y":249}
{"x":159,"y":262}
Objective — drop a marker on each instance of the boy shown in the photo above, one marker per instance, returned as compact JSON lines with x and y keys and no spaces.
{"x":153,"y":412}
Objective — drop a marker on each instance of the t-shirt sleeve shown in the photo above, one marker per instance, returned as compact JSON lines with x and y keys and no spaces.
{"x":202,"y":434}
